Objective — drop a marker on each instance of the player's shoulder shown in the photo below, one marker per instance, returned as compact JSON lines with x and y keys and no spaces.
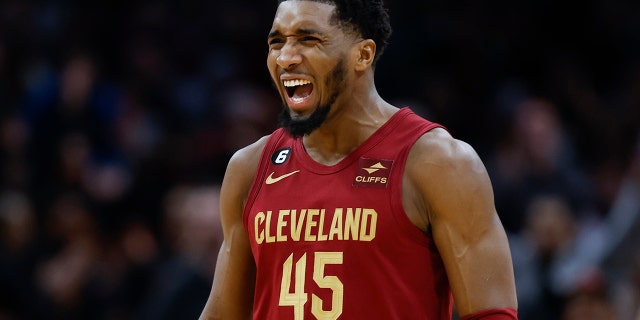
{"x":440,"y":146}
{"x":437,"y":151}
{"x":242,"y":167}
{"x":248,"y":157}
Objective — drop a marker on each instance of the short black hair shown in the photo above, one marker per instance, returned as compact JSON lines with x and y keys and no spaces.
{"x":368,"y":18}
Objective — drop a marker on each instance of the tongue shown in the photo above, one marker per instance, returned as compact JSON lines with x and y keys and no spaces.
{"x":302,"y":91}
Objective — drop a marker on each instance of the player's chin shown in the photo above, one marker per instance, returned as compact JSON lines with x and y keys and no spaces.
{"x":298,"y":112}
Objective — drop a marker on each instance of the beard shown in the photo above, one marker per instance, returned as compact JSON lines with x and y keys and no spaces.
{"x":300,"y":127}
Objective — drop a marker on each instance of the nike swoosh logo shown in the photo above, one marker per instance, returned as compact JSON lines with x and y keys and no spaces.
{"x":271,"y":179}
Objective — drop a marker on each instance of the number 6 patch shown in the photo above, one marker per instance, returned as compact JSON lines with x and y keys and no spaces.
{"x":281,"y":156}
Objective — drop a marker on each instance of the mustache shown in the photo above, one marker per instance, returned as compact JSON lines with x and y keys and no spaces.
{"x":300,"y":127}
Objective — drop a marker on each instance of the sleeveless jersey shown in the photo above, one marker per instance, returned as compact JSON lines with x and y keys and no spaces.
{"x":334,"y":242}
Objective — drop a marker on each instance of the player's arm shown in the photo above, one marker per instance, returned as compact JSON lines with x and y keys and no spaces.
{"x":460,"y":212}
{"x":231,"y":296}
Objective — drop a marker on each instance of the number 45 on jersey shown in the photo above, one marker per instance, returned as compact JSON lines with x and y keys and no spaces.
{"x":298,"y":298}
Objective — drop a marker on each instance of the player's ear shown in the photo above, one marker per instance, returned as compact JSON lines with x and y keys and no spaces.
{"x":366,"y":51}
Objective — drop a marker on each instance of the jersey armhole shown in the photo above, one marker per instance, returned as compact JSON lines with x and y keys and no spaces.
{"x":400,"y":215}
{"x":261,"y":172}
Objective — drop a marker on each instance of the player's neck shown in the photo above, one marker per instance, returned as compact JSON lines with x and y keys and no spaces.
{"x":347,"y":127}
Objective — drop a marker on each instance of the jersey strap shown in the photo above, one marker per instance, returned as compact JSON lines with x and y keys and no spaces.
{"x":261,"y":171}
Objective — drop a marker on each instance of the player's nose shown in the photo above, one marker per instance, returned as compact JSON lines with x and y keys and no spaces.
{"x":289,"y":56}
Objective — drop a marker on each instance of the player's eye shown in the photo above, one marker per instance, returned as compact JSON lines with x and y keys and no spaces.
{"x":275,"y":43}
{"x":309,"y":40}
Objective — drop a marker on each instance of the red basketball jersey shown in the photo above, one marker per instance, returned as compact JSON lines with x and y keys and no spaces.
{"x":334,"y":242}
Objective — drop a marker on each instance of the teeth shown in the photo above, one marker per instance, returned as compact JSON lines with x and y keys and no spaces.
{"x":294,"y":83}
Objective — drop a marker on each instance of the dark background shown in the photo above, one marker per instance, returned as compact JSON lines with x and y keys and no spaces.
{"x":118,"y":118}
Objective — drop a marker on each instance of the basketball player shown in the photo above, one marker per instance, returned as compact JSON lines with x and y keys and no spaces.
{"x":354,"y":209}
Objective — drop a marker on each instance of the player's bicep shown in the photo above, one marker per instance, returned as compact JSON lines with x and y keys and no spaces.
{"x":467,"y":231}
{"x":461,"y":200}
{"x":231,"y":295}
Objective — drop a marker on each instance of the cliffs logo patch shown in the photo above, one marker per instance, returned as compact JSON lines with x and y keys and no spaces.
{"x":373,"y":173}
{"x":281,"y":156}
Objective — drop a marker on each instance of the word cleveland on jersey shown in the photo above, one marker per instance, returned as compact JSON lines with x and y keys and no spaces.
{"x":356,"y":224}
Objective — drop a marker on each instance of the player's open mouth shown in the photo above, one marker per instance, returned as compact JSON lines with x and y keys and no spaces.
{"x":298,"y":90}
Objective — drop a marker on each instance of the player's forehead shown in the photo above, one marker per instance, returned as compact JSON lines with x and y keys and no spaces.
{"x":295,"y":15}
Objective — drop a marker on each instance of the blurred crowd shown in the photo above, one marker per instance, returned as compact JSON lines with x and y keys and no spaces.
{"x":117,"y":119}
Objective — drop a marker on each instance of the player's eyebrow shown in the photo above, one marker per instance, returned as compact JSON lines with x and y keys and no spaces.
{"x":301,"y":31}
{"x":274,"y":33}
{"x":309,"y":31}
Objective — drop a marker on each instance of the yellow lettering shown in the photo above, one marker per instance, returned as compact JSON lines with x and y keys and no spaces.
{"x":321,"y":237}
{"x":310,"y":224}
{"x":296,"y":226}
{"x":267,"y":230}
{"x":281,"y":224}
{"x":370,"y":219}
{"x":258,"y":220}
{"x":352,"y":223}
{"x":357,"y":224}
{"x":336,"y":225}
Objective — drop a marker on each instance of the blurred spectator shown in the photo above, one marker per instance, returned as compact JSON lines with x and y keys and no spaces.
{"x":564,"y":265}
{"x":183,"y":278}
{"x":545,"y":258}
{"x":73,"y":250}
{"x":18,"y":254}
{"x":622,"y":262}
{"x":14,"y":158}
{"x":590,"y":302}
{"x":536,"y":157}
